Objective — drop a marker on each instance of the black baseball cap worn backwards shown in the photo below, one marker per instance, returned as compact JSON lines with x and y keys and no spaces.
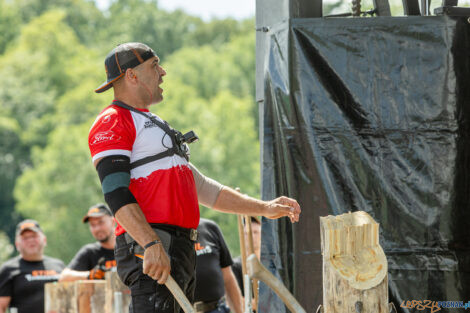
{"x":124,"y":56}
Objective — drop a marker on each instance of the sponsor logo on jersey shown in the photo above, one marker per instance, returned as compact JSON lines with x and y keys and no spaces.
{"x":200,"y":249}
{"x":42,"y":275}
{"x":105,"y":136}
{"x":106,"y":119}
{"x":110,"y":264}
{"x":149,"y":124}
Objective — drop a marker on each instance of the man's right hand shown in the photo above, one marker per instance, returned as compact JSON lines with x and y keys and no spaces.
{"x":156,"y":263}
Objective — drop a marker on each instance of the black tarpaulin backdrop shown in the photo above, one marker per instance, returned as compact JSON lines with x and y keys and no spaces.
{"x":370,"y":114}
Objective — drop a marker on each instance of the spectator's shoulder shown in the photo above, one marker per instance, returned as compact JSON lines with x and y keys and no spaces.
{"x":53,"y":261}
{"x":208,"y":224}
{"x":94,"y":246}
{"x":11,"y":263}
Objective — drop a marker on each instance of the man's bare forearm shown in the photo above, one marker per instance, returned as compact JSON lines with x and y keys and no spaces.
{"x":231,"y":201}
{"x":131,"y":218}
{"x":4,"y":303}
{"x":234,"y":296}
{"x":72,"y":275}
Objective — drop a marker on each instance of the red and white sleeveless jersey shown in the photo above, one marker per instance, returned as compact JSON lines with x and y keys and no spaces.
{"x":164,"y":189}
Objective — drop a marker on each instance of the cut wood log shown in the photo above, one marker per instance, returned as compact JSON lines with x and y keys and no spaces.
{"x":115,"y":288}
{"x":83,"y":296}
{"x":91,"y":296}
{"x":354,"y":265}
{"x":58,"y":296}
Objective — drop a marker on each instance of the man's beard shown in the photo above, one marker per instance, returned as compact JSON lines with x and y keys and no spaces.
{"x":104,"y":239}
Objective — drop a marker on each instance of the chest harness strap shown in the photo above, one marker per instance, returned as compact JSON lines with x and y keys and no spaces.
{"x":178,"y":140}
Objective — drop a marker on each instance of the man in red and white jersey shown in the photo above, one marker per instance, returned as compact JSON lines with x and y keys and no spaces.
{"x":150,"y":186}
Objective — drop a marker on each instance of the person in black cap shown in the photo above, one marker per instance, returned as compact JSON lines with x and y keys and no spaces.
{"x":150,"y":186}
{"x":237,"y":262}
{"x":22,"y":278}
{"x":216,"y":285}
{"x":94,"y":259}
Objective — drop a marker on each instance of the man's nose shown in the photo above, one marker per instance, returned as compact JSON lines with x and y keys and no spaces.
{"x":162,"y":71}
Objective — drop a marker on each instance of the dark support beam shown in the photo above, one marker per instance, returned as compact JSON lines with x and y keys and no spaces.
{"x":450,"y":3}
{"x":452,"y":11}
{"x":270,"y":13}
{"x":303,"y":8}
{"x":411,"y":7}
{"x":382,"y":8}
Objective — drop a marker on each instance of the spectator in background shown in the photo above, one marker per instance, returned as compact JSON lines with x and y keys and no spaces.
{"x":237,"y":262}
{"x":94,"y":259}
{"x":22,"y":278}
{"x":214,"y":277}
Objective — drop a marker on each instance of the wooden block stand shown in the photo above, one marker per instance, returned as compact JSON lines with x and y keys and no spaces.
{"x":354,"y":265}
{"x":114,"y":286}
{"x":86,"y":296}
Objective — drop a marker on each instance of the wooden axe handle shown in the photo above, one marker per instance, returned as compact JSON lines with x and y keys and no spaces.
{"x":179,"y":295}
{"x":258,"y":271}
{"x":242,"y":243}
{"x":251,"y":251}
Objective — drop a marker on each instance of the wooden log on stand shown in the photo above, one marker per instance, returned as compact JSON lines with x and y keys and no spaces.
{"x":354,"y":265}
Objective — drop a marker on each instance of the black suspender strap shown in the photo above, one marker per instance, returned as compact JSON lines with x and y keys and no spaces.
{"x":152,"y":158}
{"x":165,"y":127}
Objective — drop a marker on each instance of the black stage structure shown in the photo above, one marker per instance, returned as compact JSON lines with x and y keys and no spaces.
{"x":367,"y":114}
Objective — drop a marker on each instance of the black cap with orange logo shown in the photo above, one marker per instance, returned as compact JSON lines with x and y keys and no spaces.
{"x":97,"y":210}
{"x":28,"y":225}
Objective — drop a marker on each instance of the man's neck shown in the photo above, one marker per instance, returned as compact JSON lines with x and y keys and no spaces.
{"x":32,"y":257}
{"x":109,"y":244}
{"x":132,"y":101}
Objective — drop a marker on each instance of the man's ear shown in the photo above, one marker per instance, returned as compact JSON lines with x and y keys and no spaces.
{"x":130,"y":74}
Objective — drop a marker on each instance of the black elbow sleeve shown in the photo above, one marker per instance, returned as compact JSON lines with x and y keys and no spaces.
{"x":115,"y":176}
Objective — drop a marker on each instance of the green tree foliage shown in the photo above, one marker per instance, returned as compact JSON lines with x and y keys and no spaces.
{"x":219,"y":31}
{"x":166,"y":32}
{"x":13,"y":157}
{"x":6,"y":248}
{"x":27,"y":99}
{"x":9,"y":25}
{"x":59,"y":187}
{"x":211,"y":69}
{"x":35,"y":72}
{"x":83,"y":17}
{"x":140,"y":20}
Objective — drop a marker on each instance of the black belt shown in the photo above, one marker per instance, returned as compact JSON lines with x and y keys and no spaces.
{"x":189,"y":233}
{"x":178,"y":231}
{"x":202,"y":307}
